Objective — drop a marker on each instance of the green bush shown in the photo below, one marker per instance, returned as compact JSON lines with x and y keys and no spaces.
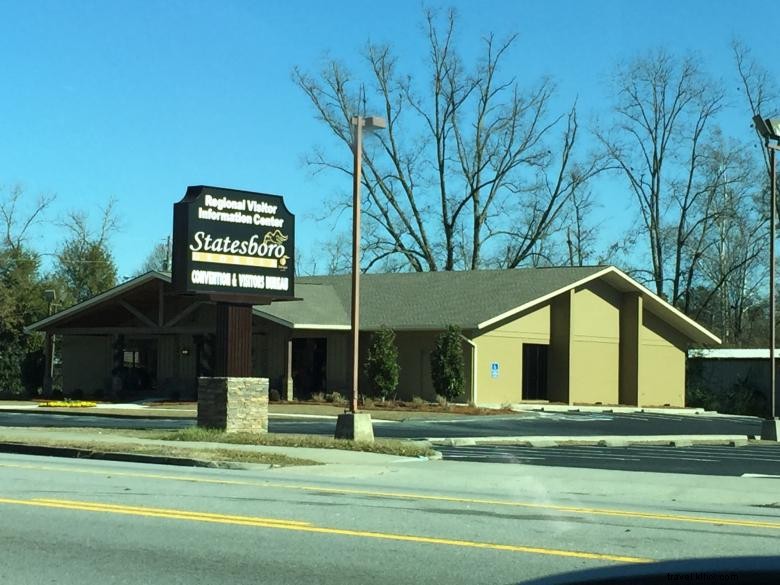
{"x":744,"y":398}
{"x":698,"y":397}
{"x":335,"y":398}
{"x":381,"y":365}
{"x":447,"y":368}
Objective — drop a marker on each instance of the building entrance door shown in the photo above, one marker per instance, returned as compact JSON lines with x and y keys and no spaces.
{"x":309,"y":366}
{"x":534,"y":371}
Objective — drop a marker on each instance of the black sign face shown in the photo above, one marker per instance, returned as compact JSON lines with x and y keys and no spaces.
{"x":231,"y":242}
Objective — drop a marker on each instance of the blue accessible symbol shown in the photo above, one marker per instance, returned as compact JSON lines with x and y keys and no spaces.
{"x":494,"y":370}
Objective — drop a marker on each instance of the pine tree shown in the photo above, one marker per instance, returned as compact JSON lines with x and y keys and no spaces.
{"x":381,"y":365}
{"x":447,"y":368}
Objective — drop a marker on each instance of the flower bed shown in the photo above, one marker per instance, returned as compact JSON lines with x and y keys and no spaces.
{"x":68,"y":404}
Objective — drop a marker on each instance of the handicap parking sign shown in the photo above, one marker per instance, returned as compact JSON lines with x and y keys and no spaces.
{"x":494,"y":370}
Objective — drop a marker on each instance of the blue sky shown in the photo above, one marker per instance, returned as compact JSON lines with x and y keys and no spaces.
{"x":138,"y":99}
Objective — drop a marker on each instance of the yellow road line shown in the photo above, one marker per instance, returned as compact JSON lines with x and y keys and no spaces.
{"x":195,"y":515}
{"x":304,"y":527}
{"x":415,"y":496}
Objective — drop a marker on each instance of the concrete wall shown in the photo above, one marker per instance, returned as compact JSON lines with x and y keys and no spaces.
{"x":662,"y":364}
{"x":86,"y":363}
{"x":503,"y":345}
{"x":595,"y":349}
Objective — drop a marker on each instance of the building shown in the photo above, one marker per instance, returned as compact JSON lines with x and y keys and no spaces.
{"x":579,"y":335}
{"x":735,"y":381}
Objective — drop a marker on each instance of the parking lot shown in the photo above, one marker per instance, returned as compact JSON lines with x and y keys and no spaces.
{"x":751,"y":460}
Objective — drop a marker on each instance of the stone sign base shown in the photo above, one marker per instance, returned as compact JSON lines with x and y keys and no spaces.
{"x":235,"y":405}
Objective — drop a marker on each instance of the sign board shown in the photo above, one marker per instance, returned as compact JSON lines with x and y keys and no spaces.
{"x":230,"y":242}
{"x":494,"y":369}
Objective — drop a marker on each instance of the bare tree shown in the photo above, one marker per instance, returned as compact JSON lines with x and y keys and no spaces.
{"x":18,"y":219}
{"x":464,"y":175}
{"x":733,"y":250}
{"x":581,"y":233}
{"x":664,"y":108}
{"x":759,"y":89}
{"x":85,"y":265}
{"x":159,"y":258}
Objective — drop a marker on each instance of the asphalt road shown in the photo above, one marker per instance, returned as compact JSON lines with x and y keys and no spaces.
{"x":92,"y":522}
{"x":699,"y":459}
{"x":530,"y":424}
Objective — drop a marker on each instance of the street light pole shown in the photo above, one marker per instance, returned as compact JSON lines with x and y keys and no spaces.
{"x":769,"y":129}
{"x":357,"y":149}
{"x":773,"y":214}
{"x":352,"y":425}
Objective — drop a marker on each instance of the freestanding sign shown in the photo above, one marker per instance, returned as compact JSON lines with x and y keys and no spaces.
{"x":238,"y":249}
{"x":233,"y":243}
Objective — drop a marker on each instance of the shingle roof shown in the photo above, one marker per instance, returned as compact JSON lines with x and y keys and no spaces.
{"x":321,"y":306}
{"x":422,"y":301}
{"x":426,"y":301}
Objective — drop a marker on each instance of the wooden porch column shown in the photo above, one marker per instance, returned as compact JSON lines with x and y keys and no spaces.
{"x":48,"y":364}
{"x":288,"y":374}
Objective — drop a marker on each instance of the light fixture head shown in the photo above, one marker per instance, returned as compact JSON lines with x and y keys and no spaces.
{"x":768,"y":128}
{"x":370,"y":122}
{"x":375,"y":122}
{"x":774,"y":127}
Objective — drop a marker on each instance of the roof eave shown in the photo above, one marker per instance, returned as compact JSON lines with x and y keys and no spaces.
{"x":691,"y":329}
{"x":97,"y":299}
{"x":539,"y":300}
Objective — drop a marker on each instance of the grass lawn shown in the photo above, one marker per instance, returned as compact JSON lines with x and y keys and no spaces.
{"x":213,"y":455}
{"x":386,"y":446}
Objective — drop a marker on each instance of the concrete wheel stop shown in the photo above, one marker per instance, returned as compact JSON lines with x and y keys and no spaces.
{"x":355,"y":426}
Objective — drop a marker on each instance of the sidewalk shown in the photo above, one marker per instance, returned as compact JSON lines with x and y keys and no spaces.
{"x":328,"y":411}
{"x":190,"y":410}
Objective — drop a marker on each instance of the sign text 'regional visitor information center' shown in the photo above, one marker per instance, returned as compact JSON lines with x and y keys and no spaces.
{"x":230,"y":242}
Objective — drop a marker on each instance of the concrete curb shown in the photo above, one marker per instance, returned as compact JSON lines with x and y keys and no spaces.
{"x":97,"y":413}
{"x":599,"y":441}
{"x":142,"y":413}
{"x":609,"y":409}
{"x":75,"y":453}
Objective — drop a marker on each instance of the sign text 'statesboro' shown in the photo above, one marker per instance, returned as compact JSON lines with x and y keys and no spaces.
{"x":233,"y":242}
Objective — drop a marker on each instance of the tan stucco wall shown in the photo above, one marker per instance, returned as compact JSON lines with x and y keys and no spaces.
{"x":662,"y":364}
{"x":86,"y":363}
{"x":503,"y":344}
{"x":271,"y":354}
{"x":414,"y":359}
{"x":595,"y":349}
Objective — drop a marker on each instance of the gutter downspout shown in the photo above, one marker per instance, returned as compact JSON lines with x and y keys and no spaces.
{"x":473,"y":367}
